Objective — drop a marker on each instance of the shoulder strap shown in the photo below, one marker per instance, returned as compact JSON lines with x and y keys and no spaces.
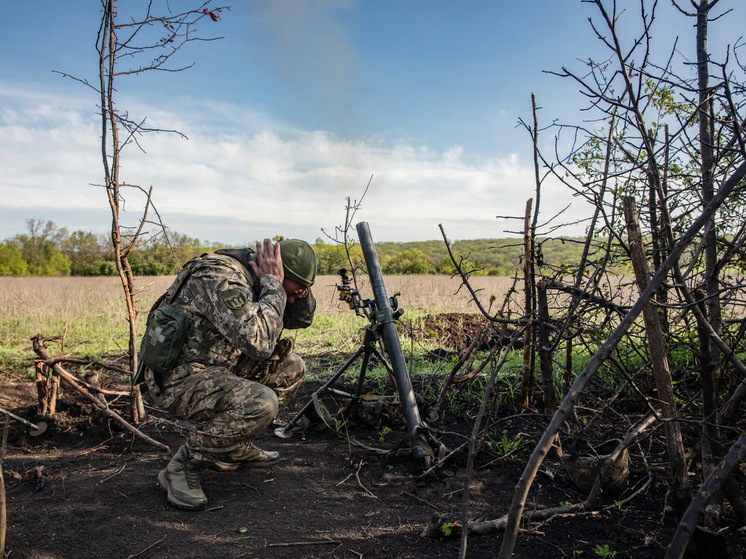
{"x":170,"y":294}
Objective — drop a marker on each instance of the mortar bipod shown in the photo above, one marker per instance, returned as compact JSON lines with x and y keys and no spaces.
{"x":368,"y":348}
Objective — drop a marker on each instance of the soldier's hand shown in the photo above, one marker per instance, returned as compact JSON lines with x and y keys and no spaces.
{"x":268,"y":260}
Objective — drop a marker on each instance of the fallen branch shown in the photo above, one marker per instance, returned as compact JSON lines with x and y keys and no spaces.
{"x":41,"y":351}
{"x":152,"y":545}
{"x":435,"y":529}
{"x":291,"y":544}
{"x":52,"y":362}
{"x":80,"y":361}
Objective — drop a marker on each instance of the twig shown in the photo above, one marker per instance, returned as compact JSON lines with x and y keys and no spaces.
{"x":465,"y":282}
{"x":357,"y":476}
{"x":360,"y":483}
{"x":423,"y":501}
{"x":439,"y":463}
{"x":453,"y":492}
{"x":113,"y":475}
{"x":291,"y":544}
{"x":147,"y":548}
{"x":99,"y":446}
{"x":345,"y":479}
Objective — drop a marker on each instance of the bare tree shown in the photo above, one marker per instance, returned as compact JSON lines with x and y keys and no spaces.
{"x":129,"y":46}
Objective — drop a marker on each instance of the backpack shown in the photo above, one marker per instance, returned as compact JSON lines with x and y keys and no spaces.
{"x":165,"y":331}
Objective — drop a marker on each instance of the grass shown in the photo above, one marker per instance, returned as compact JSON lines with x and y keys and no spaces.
{"x":91,"y":313}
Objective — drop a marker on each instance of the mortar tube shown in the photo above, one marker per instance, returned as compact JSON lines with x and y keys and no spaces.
{"x":391,"y":337}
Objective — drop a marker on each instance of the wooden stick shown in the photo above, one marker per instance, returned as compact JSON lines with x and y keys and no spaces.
{"x":291,"y":544}
{"x":113,"y":475}
{"x":87,"y":385}
{"x":146,"y":549}
{"x":78,"y":361}
{"x":658,"y":356}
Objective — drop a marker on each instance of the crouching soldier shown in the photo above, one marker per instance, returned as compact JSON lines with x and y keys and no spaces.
{"x":212,"y":354}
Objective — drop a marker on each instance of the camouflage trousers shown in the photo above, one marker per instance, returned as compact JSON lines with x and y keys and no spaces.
{"x":231,"y":409}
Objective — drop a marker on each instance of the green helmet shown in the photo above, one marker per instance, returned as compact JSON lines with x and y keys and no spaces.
{"x":299,"y":261}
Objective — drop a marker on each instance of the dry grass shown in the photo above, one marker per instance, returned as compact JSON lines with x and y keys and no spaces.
{"x":419,"y":293}
{"x":92,"y":314}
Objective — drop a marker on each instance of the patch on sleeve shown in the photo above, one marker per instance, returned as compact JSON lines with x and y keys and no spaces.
{"x":235,"y":300}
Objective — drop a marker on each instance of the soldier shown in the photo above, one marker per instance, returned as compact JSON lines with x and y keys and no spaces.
{"x":228,"y":372}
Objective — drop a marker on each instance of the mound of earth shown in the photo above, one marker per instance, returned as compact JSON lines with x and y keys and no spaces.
{"x":454,"y":332}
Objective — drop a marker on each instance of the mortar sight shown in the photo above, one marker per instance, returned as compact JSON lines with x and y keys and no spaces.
{"x":364,"y":307}
{"x":346,"y":292}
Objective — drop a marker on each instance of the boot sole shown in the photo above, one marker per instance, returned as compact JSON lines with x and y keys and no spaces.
{"x":173,"y":500}
{"x":233,"y":466}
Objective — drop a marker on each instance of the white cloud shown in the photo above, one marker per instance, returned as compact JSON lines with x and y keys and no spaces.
{"x":240,"y":176}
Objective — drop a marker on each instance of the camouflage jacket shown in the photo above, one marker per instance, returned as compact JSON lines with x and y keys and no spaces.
{"x":235,"y":315}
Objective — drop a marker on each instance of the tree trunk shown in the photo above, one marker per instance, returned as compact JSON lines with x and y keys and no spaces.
{"x":527,"y":374}
{"x":658,"y":355}
{"x":709,"y":354}
{"x":545,"y":350}
{"x":110,"y":134}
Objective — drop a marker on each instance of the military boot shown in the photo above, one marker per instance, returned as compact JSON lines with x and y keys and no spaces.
{"x":181,"y":480}
{"x":249,"y":454}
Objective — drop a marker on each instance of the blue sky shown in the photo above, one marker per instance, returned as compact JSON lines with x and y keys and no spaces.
{"x":299,"y":104}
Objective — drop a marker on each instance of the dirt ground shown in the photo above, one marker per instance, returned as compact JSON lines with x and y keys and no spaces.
{"x":87,"y":488}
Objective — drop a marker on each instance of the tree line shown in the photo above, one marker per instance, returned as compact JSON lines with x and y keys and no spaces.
{"x":48,"y":250}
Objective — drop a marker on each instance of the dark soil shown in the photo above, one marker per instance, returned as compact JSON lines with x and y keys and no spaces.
{"x":86,"y":488}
